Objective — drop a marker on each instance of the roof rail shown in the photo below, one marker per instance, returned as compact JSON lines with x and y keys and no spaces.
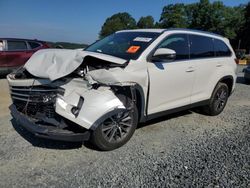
{"x":193,"y":30}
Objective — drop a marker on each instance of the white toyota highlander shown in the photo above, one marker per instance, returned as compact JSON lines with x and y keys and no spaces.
{"x":101,"y":93}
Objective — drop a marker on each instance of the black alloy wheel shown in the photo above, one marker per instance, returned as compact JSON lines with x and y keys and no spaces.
{"x":218,"y":100}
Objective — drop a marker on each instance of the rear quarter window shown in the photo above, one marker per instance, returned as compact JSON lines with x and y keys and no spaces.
{"x":221,"y":49}
{"x":16,"y":45}
{"x":201,"y":47}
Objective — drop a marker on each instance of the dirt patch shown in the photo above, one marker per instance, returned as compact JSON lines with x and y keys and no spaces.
{"x":4,"y":98}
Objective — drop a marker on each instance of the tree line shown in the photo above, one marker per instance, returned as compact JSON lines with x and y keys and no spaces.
{"x":231,"y":22}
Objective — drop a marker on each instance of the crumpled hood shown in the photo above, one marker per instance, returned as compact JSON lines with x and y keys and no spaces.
{"x":57,"y":63}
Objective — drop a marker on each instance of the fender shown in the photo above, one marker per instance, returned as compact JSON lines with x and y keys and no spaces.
{"x":136,"y":90}
{"x":228,"y":77}
{"x":140,"y":102}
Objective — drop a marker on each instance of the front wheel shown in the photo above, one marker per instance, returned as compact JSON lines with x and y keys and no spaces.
{"x":115,"y":130}
{"x":218,"y":100}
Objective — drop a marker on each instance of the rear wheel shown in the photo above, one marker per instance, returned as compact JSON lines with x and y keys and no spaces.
{"x":218,"y":100}
{"x":115,"y":130}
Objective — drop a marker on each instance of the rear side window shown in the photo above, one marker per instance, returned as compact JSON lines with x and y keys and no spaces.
{"x":178,"y":43}
{"x":34,"y":45}
{"x":16,"y":45}
{"x":221,"y":49}
{"x":201,"y":46}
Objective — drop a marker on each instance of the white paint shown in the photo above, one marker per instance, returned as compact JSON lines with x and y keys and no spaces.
{"x":62,"y":103}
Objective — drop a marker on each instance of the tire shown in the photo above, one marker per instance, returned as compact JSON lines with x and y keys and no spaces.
{"x":218,"y":100}
{"x":116,"y":130}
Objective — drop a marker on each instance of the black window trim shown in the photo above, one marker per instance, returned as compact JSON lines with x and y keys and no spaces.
{"x":149,"y":56}
{"x":201,"y":57}
{"x":226,"y":46}
{"x":29,"y":47}
{"x":26,"y":42}
{"x":7,"y":48}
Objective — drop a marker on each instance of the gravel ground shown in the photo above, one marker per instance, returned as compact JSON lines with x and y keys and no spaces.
{"x":186,"y":149}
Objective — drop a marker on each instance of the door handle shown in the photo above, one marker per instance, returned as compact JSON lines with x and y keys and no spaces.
{"x":219,"y":65}
{"x":190,"y":69}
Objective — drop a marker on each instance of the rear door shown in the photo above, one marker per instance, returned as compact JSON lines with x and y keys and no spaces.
{"x":17,"y":53}
{"x":202,"y":54}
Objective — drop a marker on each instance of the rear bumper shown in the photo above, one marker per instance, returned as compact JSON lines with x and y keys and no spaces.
{"x":49,"y":132}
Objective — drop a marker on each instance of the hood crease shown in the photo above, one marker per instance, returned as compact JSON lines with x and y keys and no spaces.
{"x":57,"y":63}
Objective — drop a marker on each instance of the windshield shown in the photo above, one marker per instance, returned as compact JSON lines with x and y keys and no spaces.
{"x":126,"y":45}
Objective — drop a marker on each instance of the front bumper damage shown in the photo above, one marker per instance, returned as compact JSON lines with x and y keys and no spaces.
{"x":82,"y":104}
{"x":96,"y":103}
{"x":70,"y":116}
{"x":46,"y":131}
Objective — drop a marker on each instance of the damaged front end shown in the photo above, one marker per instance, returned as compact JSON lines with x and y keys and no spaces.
{"x":34,"y":108}
{"x":68,"y":99}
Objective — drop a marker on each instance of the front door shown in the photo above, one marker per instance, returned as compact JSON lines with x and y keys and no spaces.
{"x":171,"y":82}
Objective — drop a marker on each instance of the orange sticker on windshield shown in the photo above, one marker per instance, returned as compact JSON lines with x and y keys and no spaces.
{"x":133,"y":49}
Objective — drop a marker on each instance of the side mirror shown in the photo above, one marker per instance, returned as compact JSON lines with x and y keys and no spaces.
{"x":164,"y":54}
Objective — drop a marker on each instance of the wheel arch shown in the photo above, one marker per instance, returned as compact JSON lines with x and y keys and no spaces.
{"x":229,"y":81}
{"x":137,"y":95}
{"x":140,"y":102}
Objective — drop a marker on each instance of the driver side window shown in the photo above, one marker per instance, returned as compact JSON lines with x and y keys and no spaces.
{"x":178,"y":43}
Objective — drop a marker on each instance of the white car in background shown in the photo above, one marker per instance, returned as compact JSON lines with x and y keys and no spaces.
{"x":102,"y":93}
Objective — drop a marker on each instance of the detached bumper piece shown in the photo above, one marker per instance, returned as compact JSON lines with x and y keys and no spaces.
{"x":47,"y":131}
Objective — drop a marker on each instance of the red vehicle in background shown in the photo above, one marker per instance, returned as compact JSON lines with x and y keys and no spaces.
{"x":15,"y":52}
